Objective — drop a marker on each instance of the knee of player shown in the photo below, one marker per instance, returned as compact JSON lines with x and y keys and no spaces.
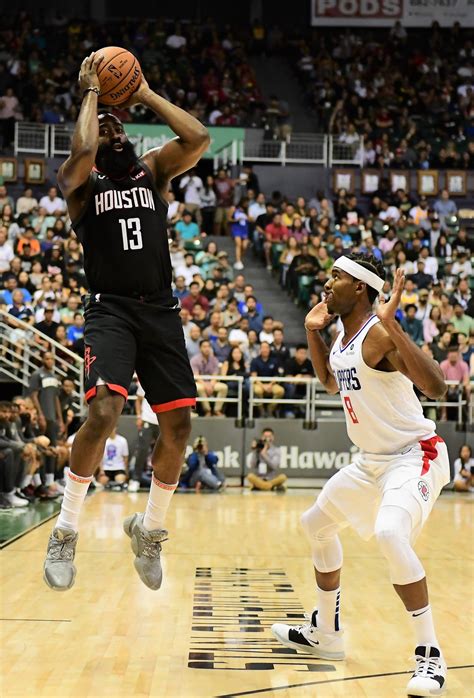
{"x":175,"y":428}
{"x":390,"y":538}
{"x":103,"y":415}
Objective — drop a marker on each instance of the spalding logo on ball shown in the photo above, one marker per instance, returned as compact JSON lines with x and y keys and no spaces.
{"x":119,"y":75}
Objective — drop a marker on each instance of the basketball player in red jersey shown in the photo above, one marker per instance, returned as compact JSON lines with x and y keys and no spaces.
{"x":390,"y":488}
{"x":118,"y":210}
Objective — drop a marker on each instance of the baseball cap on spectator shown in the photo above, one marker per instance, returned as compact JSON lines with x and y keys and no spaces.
{"x":222,"y":254}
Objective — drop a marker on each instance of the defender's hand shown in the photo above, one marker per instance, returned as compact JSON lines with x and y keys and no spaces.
{"x":318,"y":317}
{"x":386,"y":311}
{"x":88,"y":72}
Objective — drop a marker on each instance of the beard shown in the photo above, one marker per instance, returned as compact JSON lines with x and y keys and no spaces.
{"x":113,"y":163}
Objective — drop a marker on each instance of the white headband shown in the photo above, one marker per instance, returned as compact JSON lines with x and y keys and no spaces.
{"x":359,"y":272}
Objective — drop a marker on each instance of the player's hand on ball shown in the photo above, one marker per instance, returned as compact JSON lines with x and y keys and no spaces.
{"x":318,"y":317}
{"x":138,"y":97}
{"x":386,"y":310}
{"x":88,"y":72}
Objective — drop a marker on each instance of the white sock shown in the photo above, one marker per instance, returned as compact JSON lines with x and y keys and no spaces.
{"x":48,"y":479}
{"x":158,"y":502}
{"x":26,"y":481}
{"x":328,"y":609}
{"x":73,"y":498}
{"x":37,"y":480}
{"x":424,"y":627}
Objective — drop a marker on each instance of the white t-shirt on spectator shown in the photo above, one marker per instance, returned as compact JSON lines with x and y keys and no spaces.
{"x":175,"y":41}
{"x":392,"y":212}
{"x":57,"y":204}
{"x":431,"y":266}
{"x":256,"y":210}
{"x":147,"y":413}
{"x":463,"y":270}
{"x":239,"y":336}
{"x":6,"y":256}
{"x":188,"y":272}
{"x":116,"y":450}
{"x":265,"y":337}
{"x":192,"y":186}
{"x":25,"y":204}
{"x":172,"y":209}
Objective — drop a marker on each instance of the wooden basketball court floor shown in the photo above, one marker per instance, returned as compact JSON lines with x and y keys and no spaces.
{"x":234,"y":564}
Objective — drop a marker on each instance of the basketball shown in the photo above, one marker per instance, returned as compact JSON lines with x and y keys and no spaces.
{"x":119,"y":74}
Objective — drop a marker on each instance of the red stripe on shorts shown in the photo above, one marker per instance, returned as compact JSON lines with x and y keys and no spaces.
{"x":174,"y":404}
{"x":111,"y":386}
{"x":430,"y":452}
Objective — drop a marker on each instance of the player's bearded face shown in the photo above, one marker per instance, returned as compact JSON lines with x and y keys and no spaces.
{"x":116,"y":157}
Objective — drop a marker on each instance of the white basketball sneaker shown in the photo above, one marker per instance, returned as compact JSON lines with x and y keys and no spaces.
{"x":310,"y":639}
{"x":429,"y":678}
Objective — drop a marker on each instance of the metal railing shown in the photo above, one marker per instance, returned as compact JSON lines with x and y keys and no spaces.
{"x":226,"y":400}
{"x":31,"y":138}
{"x":53,"y":140}
{"x":255,"y":401}
{"x":21,"y":350}
{"x":344,"y":153}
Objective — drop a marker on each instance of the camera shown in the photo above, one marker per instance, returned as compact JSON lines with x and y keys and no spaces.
{"x":260,"y":444}
{"x":199,"y":445}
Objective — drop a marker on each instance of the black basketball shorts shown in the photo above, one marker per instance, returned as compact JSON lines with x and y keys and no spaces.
{"x":123,"y":335}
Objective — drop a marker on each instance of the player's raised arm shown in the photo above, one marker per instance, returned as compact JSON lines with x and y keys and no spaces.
{"x":317,"y":318}
{"x":406,"y":356}
{"x":181,"y":153}
{"x":74,"y":172}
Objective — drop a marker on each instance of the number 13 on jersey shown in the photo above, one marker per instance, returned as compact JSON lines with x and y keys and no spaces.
{"x":131,"y":233}
{"x":350,"y":409}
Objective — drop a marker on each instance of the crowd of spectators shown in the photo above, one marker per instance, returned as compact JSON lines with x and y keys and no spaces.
{"x":227,"y":330}
{"x":408,"y":94}
{"x":200,"y":67}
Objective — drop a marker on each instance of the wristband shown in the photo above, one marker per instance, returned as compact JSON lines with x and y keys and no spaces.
{"x":91,"y":89}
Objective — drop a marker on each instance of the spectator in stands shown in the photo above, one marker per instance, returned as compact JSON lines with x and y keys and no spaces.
{"x":298,"y":366}
{"x":48,"y":326}
{"x":279,"y":349}
{"x":10,"y":462}
{"x":462,"y":322}
{"x":148,"y":432}
{"x":266,"y":333}
{"x":444,"y":206}
{"x":264,"y":462}
{"x":455,"y":369}
{"x":234,"y":365}
{"x":421,"y":279}
{"x":188,"y":269}
{"x":6,"y":251}
{"x":431,"y":325}
{"x":192,"y":187}
{"x":224,"y":188}
{"x":464,"y":470}
{"x":53,"y":204}
{"x":239,"y":230}
{"x":266,"y":366}
{"x":253,"y":315}
{"x":231,"y":316}
{"x":208,"y":201}
{"x":193,"y":341}
{"x":194,"y":297}
{"x":412,"y":326}
{"x":211,"y":331}
{"x":462,"y":267}
{"x":206,"y":364}
{"x":10,"y":112}
{"x":114,"y":468}
{"x":44,"y":390}
{"x":26,"y":203}
{"x":76,"y":330}
{"x":220,"y":345}
{"x":303,"y":264}
{"x":202,"y":471}
{"x":188,"y":231}
{"x":275,"y":232}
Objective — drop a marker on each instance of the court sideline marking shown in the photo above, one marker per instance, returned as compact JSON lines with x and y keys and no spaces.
{"x":318,"y":683}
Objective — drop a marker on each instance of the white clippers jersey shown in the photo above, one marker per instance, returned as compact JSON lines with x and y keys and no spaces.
{"x":383,"y":414}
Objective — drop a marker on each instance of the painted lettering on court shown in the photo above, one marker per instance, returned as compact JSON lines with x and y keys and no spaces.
{"x":233,"y":610}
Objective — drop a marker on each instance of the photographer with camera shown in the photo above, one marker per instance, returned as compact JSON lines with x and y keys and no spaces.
{"x":264,"y":462}
{"x":464,"y":470}
{"x":202,"y":468}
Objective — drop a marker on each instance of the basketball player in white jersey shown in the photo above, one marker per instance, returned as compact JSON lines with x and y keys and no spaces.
{"x":390,"y":487}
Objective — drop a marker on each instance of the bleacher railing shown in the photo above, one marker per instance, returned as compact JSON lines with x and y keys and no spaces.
{"x":54,"y":140}
{"x":21,"y":355}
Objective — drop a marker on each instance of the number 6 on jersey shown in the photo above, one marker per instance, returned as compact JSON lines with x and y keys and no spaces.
{"x":133,"y":226}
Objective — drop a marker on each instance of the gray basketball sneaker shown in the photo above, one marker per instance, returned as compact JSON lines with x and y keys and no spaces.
{"x":147,"y":548}
{"x":59,"y":570}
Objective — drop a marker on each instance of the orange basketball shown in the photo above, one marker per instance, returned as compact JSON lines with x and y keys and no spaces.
{"x":119,"y":75}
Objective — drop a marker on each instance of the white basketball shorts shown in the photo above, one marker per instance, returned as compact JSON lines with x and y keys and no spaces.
{"x":411,"y":480}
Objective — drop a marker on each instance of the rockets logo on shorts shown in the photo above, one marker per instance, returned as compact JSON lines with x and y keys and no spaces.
{"x":424,"y":490}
